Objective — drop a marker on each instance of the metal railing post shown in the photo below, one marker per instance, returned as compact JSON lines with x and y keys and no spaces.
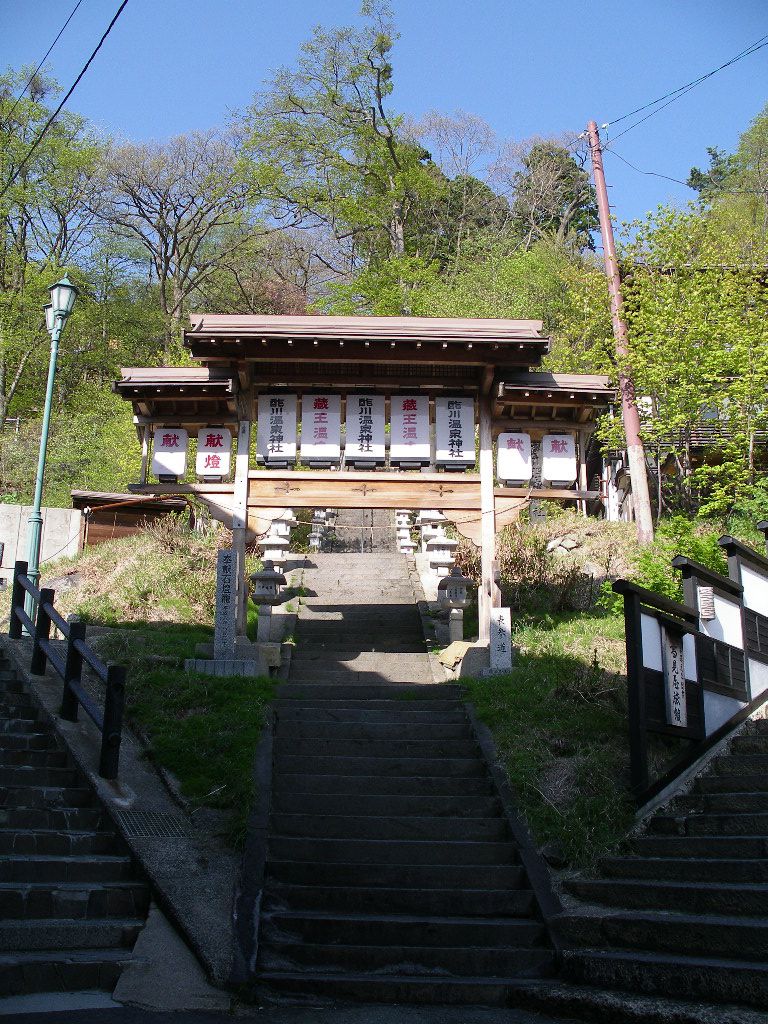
{"x":111,"y":735}
{"x":73,"y":672}
{"x":17,"y":600}
{"x":42,"y":633}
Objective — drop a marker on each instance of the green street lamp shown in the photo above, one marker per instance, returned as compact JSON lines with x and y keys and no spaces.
{"x":63,"y":295}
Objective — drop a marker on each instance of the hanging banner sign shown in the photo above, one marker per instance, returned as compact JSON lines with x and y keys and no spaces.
{"x":169,"y":452}
{"x":276,"y":442}
{"x":673,"y":668}
{"x":214,"y":451}
{"x":365,"y":429}
{"x":320,"y":429}
{"x":455,"y":432}
{"x":409,"y":424}
{"x":558,"y":459}
{"x":513,"y":459}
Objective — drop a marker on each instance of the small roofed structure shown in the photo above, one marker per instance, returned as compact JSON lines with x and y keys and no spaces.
{"x":110,"y":516}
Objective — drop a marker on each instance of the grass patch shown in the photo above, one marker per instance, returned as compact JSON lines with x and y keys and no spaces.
{"x":559,"y":722}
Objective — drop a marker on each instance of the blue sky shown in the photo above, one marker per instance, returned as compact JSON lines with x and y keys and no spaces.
{"x":529,"y":67}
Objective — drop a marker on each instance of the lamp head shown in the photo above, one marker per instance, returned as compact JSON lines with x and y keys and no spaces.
{"x":50,"y":317}
{"x":63,"y":295}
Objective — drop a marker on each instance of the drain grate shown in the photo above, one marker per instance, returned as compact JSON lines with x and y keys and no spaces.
{"x":152,"y":825}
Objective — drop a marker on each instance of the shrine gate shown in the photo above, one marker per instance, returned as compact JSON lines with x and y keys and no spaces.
{"x":385,"y":412}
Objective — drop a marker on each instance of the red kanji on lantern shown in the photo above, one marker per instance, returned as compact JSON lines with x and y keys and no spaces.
{"x":409,"y":404}
{"x":320,"y":403}
{"x":558,"y":446}
{"x":214,"y":441}
{"x":212,"y":462}
{"x":170,"y":440}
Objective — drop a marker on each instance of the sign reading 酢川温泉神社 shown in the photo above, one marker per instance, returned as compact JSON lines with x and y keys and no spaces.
{"x":409,"y":425}
{"x":276,"y":440}
{"x":501,"y":640}
{"x":214,"y":451}
{"x":226,"y":604}
{"x":320,"y":429}
{"x":169,"y":452}
{"x":365,"y":429}
{"x":673,"y":667}
{"x":455,"y":432}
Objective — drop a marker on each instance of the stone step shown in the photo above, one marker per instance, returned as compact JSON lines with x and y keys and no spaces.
{"x":690,"y":897}
{"x":407,"y":989}
{"x":741,"y":764}
{"x":385,"y":805}
{"x":757,"y":725}
{"x":307,"y":706}
{"x":400,"y":930}
{"x":696,"y":978}
{"x":463,"y":767}
{"x":417,"y":673}
{"x":47,"y":796}
{"x":376,"y":851}
{"x":385,"y":748}
{"x":732,"y":784}
{"x":405,"y":876}
{"x":710,"y":824}
{"x":668,"y":932}
{"x":73,"y":899}
{"x":377,"y":900}
{"x":44,"y":842}
{"x":55,"y":818}
{"x":364,"y":716}
{"x":722,"y":803}
{"x":380,"y":827}
{"x":365,"y":786}
{"x":381,"y":960}
{"x":35,"y":775}
{"x":756,"y":743}
{"x":10,"y":682}
{"x":33,"y":758}
{"x":18,"y":723}
{"x":50,"y":868}
{"x":691,"y":847}
{"x":360,"y":662}
{"x":65,"y":971}
{"x":381,"y":692}
{"x":379,"y":732}
{"x":319,"y":651}
{"x":49,"y":933}
{"x":29,"y":741}
{"x":716,"y":869}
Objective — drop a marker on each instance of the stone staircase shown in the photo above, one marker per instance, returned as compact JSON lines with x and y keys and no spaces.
{"x":391,"y":871}
{"x":364,"y":530}
{"x":684,"y":913}
{"x":71,"y":905}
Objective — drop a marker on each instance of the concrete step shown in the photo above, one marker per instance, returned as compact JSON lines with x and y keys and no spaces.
{"x":33,"y":758}
{"x":389,"y":805}
{"x":63,"y":843}
{"x":65,"y":971}
{"x":365,"y":786}
{"x":73,"y":899}
{"x":469,"y":878}
{"x":380,"y":827}
{"x":710,"y":824}
{"x":35,"y":775}
{"x":49,"y":933}
{"x":297,"y":708}
{"x":419,"y":672}
{"x":715,"y":869}
{"x":382,"y":692}
{"x":722,"y":803}
{"x":732,"y":784}
{"x":756,"y":743}
{"x":462,"y":767}
{"x":382,"y":960}
{"x":376,"y":900}
{"x":379,"y":732}
{"x":29,"y":741}
{"x":320,"y":650}
{"x":696,"y":978}
{"x":688,"y":897}
{"x":20,"y":723}
{"x":10,"y":682}
{"x":743,"y":847}
{"x":362,"y":661}
{"x":741,"y":764}
{"x":78,"y":868}
{"x":397,"y":851}
{"x":384,"y":748}
{"x":53,"y":818}
{"x":363,"y":716}
{"x":663,"y":931}
{"x":47,"y":796}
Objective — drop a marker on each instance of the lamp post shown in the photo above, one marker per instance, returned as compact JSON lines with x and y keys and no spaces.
{"x":63,"y":295}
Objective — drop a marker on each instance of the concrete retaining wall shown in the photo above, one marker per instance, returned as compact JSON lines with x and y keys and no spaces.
{"x":61,"y":534}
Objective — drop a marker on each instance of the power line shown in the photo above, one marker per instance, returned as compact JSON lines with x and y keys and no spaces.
{"x":32,"y":77}
{"x":676,"y":94}
{"x":58,"y":109}
{"x":657,"y":174}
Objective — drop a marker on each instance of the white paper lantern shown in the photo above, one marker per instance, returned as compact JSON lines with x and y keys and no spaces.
{"x":513,"y":459}
{"x":214,"y":452}
{"x":558,"y":462}
{"x":169,"y":453}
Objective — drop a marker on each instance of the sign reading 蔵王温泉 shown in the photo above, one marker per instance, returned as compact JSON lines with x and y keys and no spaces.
{"x":365,"y":429}
{"x":320,"y":429}
{"x":214,"y":450}
{"x":276,"y":441}
{"x":558,"y":464}
{"x":673,"y":667}
{"x":226,"y":604}
{"x":455,"y":432}
{"x":169,"y":452}
{"x":409,"y":425}
{"x":501,"y":640}
{"x":513,"y":458}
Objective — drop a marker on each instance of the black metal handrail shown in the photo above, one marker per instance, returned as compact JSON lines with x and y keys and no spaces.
{"x":109,"y":721}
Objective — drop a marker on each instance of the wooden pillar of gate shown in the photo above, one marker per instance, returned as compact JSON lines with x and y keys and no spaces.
{"x":240,"y":521}
{"x":487,"y":592}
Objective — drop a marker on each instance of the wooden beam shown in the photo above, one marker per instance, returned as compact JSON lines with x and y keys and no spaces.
{"x":486,"y":592}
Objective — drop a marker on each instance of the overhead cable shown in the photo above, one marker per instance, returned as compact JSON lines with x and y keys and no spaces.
{"x":57,"y":111}
{"x":679,"y":181}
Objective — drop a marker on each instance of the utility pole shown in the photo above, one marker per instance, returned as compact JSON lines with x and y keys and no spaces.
{"x":629,"y":414}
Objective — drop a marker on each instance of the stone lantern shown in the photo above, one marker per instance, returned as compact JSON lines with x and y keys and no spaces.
{"x":265,"y":592}
{"x":274,"y":548}
{"x":453,"y":594}
{"x":427,"y":522}
{"x":440,"y":552}
{"x":283,"y":525}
